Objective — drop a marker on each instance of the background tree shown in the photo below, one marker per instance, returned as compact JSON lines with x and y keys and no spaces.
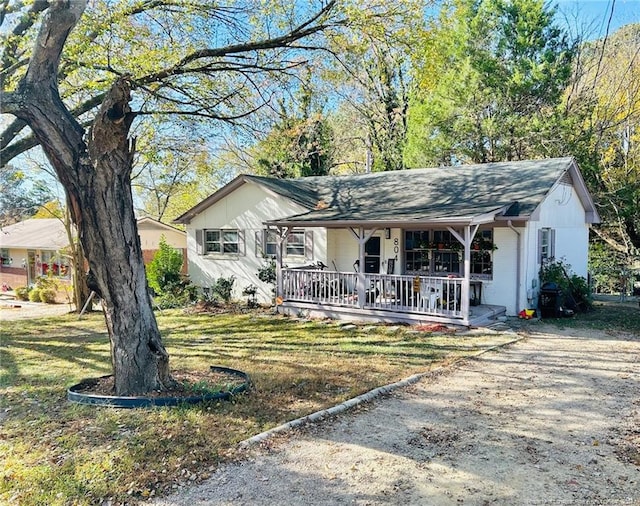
{"x":604,"y":106}
{"x":371,"y":78}
{"x":173,"y":171}
{"x":20,"y":198}
{"x":300,"y":142}
{"x":488,"y":84}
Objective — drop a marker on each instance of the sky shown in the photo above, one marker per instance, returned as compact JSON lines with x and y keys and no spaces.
{"x":593,"y":15}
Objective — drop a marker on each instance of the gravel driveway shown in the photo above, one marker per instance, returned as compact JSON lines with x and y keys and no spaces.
{"x":552,"y":419}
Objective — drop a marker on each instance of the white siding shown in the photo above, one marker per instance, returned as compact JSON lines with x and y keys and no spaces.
{"x":342,"y":249}
{"x":247,"y":208}
{"x":562,"y":212}
{"x":501,"y":289}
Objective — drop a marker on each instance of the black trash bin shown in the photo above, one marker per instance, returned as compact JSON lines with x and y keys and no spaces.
{"x":550,"y":301}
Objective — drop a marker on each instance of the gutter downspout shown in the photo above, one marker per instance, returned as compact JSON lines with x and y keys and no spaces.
{"x":518,"y":262}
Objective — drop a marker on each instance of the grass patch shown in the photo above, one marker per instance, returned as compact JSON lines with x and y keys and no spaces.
{"x":54,"y":452}
{"x":607,"y":314}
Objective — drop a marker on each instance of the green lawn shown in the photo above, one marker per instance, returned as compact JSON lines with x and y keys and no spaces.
{"x":55,"y":452}
{"x":608,"y":314}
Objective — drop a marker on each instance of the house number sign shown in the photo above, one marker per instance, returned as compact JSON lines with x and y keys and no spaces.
{"x":396,"y":247}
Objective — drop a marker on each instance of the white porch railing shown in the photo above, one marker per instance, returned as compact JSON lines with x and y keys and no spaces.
{"x":428,"y":295}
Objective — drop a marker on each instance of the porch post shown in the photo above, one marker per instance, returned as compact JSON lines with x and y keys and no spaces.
{"x":469,"y":234}
{"x":464,"y":304}
{"x":280,"y":238}
{"x":362,"y":290}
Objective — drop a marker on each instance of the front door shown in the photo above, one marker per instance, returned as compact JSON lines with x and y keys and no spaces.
{"x":372,"y":255}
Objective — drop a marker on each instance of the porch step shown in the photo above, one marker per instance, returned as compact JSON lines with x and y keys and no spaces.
{"x":486,"y":314}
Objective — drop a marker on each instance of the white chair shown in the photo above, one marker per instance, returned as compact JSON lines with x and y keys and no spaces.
{"x":428,"y":297}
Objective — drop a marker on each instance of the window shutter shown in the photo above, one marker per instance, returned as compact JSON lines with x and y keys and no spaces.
{"x":308,"y":244}
{"x":540,"y":246}
{"x":259,"y":236}
{"x":552,"y":244}
{"x":241,"y":243}
{"x":200,"y":241}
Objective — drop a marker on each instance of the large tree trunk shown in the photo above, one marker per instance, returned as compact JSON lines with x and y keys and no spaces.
{"x":96,"y":178}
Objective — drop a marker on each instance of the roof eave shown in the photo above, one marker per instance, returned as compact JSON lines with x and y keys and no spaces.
{"x":461,"y":221}
{"x":591,"y":213}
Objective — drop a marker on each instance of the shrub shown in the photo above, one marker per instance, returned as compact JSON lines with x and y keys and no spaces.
{"x":223,"y":288}
{"x":575,"y":288}
{"x":48,"y":295}
{"x":22,"y":293}
{"x":267,"y":273}
{"x":179,"y":294}
{"x":34,"y":295}
{"x":46,"y":283}
{"x":163,"y":271}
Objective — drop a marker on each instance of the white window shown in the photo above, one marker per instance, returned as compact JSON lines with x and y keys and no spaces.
{"x":298,"y":243}
{"x":270,"y":242}
{"x":220,"y":242}
{"x":295,"y":244}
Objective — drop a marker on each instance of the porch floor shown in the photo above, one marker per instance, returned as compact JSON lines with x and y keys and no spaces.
{"x":481,"y":315}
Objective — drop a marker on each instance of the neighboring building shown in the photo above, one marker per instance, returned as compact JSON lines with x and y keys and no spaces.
{"x":151,"y":231}
{"x":453,"y":244}
{"x":36,"y":247}
{"x":32,"y":248}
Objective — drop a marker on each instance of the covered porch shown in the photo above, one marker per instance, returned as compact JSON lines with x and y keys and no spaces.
{"x":385,"y":297}
{"x":397,"y":295}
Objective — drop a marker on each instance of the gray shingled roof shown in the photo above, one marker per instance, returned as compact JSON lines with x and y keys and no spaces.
{"x":422,"y":195}
{"x":47,"y":233}
{"x":463,"y":194}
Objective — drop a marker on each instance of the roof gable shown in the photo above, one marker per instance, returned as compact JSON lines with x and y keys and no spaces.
{"x":148,"y":223}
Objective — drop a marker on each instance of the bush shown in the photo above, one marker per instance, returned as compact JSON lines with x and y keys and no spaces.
{"x":163,"y":272}
{"x":267,"y":273}
{"x":575,"y":288}
{"x":179,"y":294}
{"x":34,"y":295}
{"x":46,"y":283}
{"x":48,"y":295}
{"x":223,"y":288}
{"x":22,"y":293}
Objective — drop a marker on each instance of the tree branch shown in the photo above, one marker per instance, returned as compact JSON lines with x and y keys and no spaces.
{"x":302,"y":31}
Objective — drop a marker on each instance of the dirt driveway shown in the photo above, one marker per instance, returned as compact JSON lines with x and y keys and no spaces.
{"x":552,"y":419}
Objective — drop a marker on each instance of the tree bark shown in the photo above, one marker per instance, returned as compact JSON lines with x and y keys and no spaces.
{"x":96,"y":178}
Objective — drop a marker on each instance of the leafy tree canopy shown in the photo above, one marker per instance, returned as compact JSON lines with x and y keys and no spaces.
{"x":489,"y":79}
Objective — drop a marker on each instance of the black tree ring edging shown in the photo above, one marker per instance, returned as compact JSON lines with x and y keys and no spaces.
{"x":75,"y":394}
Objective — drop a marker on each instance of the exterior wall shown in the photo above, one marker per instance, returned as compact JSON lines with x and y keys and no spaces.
{"x":343,"y":249}
{"x":150,"y":236}
{"x":562,"y":212}
{"x":501,"y":289}
{"x":14,"y":275}
{"x":247,"y":208}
